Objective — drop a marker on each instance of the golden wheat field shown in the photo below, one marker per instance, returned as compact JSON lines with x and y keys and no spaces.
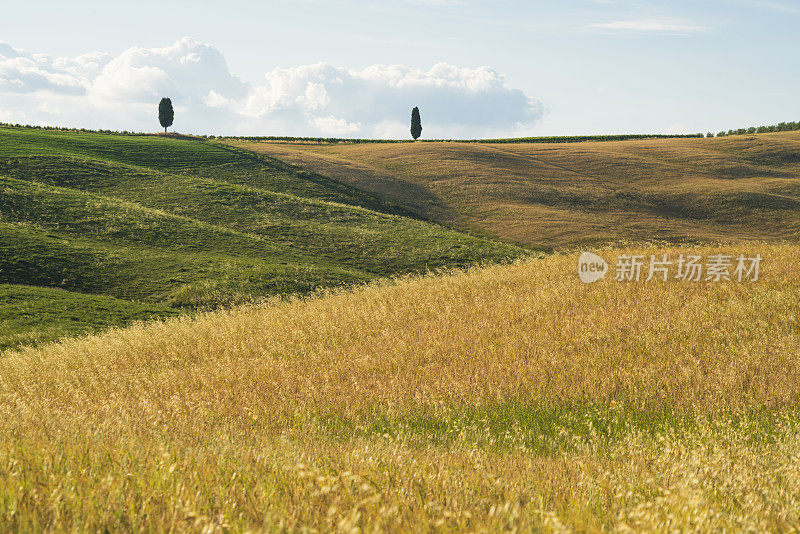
{"x":736,"y":188}
{"x":509,"y":397}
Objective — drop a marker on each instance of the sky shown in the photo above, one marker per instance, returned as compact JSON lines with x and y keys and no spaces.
{"x":344,"y":68}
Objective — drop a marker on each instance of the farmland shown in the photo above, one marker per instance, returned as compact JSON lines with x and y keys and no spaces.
{"x":368,"y":337}
{"x":428,"y":266}
{"x":504,"y":398}
{"x":729,"y":189}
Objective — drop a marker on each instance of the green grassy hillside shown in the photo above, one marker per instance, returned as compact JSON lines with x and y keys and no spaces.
{"x":148,"y":225}
{"x":731,"y":189}
{"x":32,"y":315}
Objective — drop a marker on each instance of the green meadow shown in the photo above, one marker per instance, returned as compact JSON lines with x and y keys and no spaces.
{"x":129,"y":227}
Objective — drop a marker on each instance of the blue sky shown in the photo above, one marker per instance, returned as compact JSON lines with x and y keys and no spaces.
{"x":581,"y":67}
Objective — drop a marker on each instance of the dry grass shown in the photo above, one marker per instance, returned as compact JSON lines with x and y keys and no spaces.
{"x":729,"y":189}
{"x":503,"y":398}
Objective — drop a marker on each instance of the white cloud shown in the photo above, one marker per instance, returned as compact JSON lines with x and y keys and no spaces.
{"x":651,"y":25}
{"x":391,"y":129}
{"x":100,"y":91}
{"x":24,"y":72}
{"x":331,"y":126}
{"x":677,"y":129}
{"x":186,"y":70}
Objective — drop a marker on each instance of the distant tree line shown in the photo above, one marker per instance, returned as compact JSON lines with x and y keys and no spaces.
{"x":70,"y":129}
{"x":780,"y":127}
{"x":547,"y":139}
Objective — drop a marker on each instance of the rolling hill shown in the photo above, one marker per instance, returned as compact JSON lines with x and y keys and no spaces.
{"x":497,"y":397}
{"x":564,"y":195}
{"x":152,"y":225}
{"x":506,"y":398}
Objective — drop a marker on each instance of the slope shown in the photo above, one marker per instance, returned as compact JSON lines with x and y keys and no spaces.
{"x":189,"y":223}
{"x":566,"y":195}
{"x":511,"y":397}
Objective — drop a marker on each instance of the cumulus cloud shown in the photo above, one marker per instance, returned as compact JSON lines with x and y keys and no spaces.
{"x":23,"y":72}
{"x":100,"y":91}
{"x":186,"y":70}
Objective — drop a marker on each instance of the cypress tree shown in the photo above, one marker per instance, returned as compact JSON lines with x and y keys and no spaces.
{"x":416,"y":123}
{"x":165,"y":113}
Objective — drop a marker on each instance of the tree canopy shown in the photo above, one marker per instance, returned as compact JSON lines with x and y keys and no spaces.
{"x":416,"y":123}
{"x":165,"y":113}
